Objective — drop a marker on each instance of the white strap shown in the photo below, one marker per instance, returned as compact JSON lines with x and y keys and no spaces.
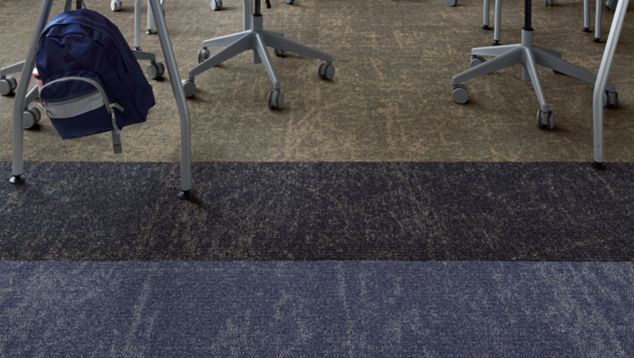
{"x":75,"y":107}
{"x":81,"y":105}
{"x":90,"y":81}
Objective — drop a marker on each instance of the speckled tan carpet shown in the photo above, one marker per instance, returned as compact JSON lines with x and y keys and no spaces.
{"x":391,"y":100}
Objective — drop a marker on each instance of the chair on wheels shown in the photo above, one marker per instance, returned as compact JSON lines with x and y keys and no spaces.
{"x":255,"y":38}
{"x":529,"y":56}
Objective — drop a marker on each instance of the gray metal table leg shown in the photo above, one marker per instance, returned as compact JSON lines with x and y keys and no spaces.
{"x":20,"y":99}
{"x":602,"y":79}
{"x":183,"y":111}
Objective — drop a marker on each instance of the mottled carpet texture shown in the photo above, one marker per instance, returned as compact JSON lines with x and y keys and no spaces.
{"x":391,"y":100}
{"x":324,"y":309}
{"x":412,"y":205}
{"x":342,"y":211}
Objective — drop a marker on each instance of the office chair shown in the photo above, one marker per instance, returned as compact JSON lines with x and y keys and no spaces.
{"x":529,"y":56}
{"x":256,"y":39}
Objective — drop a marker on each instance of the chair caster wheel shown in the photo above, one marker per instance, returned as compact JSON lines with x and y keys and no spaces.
{"x":7,"y":86}
{"x":216,"y":5}
{"x":549,"y":2}
{"x":586,"y":29}
{"x":452,"y":3}
{"x":460,"y":94}
{"x":545,"y":120}
{"x":17,"y":180}
{"x":276,"y":100}
{"x":289,"y":2}
{"x":327,"y":71}
{"x":156,"y":70}
{"x":31,"y":117}
{"x":280,"y":53}
{"x":116,"y":5}
{"x":611,"y":99}
{"x":476,"y":60}
{"x":203,"y":54}
{"x":189,"y":87}
{"x":611,"y":4}
{"x":185,"y":194}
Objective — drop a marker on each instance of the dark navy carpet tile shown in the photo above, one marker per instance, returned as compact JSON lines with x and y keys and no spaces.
{"x":317,"y":211}
{"x":316,"y":309}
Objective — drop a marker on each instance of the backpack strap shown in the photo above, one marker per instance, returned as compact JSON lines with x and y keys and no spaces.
{"x":84,"y":104}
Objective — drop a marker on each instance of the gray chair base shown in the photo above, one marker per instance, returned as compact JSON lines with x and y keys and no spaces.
{"x":529,"y":56}
{"x":255,"y":38}
{"x":8,"y":84}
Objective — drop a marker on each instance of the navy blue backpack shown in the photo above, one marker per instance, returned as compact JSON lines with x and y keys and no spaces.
{"x":90,"y":80}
